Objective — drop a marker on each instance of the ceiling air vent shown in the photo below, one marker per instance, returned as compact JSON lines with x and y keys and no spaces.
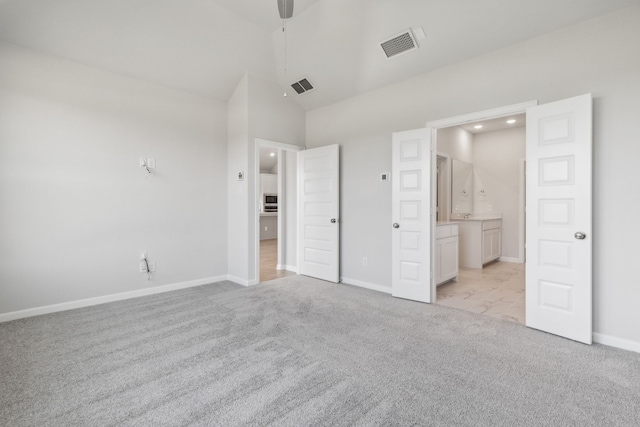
{"x":302,"y":86}
{"x":399,"y":44}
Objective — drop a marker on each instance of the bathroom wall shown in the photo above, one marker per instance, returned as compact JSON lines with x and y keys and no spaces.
{"x":496,"y":160}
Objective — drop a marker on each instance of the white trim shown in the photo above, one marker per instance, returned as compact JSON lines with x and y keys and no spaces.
{"x":279,"y":145}
{"x":287,"y":267}
{"x":510,"y":259}
{"x":482,"y":115}
{"x":244,"y":282}
{"x":37,"y":311}
{"x":522,"y":206}
{"x":366,"y":285}
{"x":622,"y":343}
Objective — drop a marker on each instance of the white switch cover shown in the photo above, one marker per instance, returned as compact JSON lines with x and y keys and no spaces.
{"x":142,"y":161}
{"x":151,"y":162}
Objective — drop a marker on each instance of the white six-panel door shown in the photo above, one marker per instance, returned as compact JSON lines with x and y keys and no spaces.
{"x":559,"y":235}
{"x":411,"y":215}
{"x":318,"y":209}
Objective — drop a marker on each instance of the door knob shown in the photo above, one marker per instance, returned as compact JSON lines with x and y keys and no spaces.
{"x":580,"y":236}
{"x":396,"y":225}
{"x":333,"y":221}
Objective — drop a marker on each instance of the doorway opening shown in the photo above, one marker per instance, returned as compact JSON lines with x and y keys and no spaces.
{"x":480,"y":214}
{"x":276,"y":202}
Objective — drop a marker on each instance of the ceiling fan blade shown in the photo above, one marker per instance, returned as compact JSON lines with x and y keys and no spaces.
{"x":285,"y":7}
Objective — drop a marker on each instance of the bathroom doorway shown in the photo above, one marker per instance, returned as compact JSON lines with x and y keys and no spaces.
{"x":480,"y":200}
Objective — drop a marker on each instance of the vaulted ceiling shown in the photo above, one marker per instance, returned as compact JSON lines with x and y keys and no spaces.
{"x":206,"y":46}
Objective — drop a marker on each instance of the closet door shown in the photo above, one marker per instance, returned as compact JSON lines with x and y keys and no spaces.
{"x":318,"y":209}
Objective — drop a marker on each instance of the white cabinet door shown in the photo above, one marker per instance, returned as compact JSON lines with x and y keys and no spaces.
{"x":491,"y":245}
{"x":318,"y":226}
{"x":446,"y":259}
{"x":411,"y":215}
{"x":558,"y":268}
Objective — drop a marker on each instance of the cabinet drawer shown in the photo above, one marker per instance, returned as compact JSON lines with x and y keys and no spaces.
{"x":488,"y":225}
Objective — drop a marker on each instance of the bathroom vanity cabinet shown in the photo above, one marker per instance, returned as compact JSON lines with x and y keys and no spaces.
{"x":446,"y":256}
{"x":480,"y":241}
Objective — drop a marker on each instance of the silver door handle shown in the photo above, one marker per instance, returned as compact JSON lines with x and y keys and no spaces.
{"x":396,"y":225}
{"x":333,"y":220}
{"x":580,"y":236}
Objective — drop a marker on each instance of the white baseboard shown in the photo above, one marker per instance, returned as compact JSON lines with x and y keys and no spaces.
{"x":292,"y":268}
{"x":616,"y":342}
{"x":366,"y":285}
{"x":36,"y":311}
{"x":237,"y":280}
{"x":511,"y":259}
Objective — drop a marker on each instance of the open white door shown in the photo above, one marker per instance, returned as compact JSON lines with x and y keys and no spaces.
{"x":558,"y":266}
{"x":411,"y":215}
{"x":318,"y":209}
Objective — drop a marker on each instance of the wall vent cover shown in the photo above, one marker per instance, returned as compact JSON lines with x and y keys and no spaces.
{"x":302,"y":86}
{"x":399,"y":44}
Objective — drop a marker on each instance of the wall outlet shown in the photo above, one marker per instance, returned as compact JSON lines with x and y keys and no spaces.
{"x":489,"y":208}
{"x":266,"y":228}
{"x":151,"y":162}
{"x":152,"y":266}
{"x":365,"y":262}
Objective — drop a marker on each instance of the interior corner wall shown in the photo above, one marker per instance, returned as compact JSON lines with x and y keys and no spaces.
{"x":257,"y":109}
{"x":598,"y":57}
{"x":456,"y":143}
{"x":76,"y":208}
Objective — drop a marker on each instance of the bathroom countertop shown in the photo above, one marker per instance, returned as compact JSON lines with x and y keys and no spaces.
{"x":268,"y":214}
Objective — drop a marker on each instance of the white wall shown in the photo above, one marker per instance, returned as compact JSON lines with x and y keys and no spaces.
{"x":599,"y":56}
{"x":291,"y":212}
{"x":257,"y":109}
{"x":75,"y":207}
{"x":496,"y":162}
{"x":456,"y":143}
{"x":238,"y":190}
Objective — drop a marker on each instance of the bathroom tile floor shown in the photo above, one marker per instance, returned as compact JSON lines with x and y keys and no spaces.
{"x":496,"y":290}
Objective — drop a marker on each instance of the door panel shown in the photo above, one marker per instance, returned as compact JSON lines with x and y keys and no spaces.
{"x":319,"y":227}
{"x":411,"y":215}
{"x":558,"y":269}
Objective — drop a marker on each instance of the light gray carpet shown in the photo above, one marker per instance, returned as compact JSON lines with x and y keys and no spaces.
{"x":297,"y":352}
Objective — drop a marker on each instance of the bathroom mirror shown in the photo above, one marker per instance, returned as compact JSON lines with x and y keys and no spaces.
{"x":461,"y":187}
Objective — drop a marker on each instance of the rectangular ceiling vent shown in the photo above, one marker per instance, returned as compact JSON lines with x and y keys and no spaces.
{"x":302,"y":86}
{"x":399,"y":44}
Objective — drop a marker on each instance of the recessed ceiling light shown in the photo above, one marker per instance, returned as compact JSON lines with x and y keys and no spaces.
{"x":511,"y":121}
{"x":272,"y":154}
{"x":477,"y":127}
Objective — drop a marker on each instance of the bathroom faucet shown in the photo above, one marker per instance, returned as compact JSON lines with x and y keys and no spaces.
{"x":467,"y":216}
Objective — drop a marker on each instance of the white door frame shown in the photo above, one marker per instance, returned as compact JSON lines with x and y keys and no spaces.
{"x":457,"y":121}
{"x":280,"y":146}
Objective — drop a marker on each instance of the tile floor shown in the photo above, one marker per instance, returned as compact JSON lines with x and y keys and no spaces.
{"x":496,"y":290}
